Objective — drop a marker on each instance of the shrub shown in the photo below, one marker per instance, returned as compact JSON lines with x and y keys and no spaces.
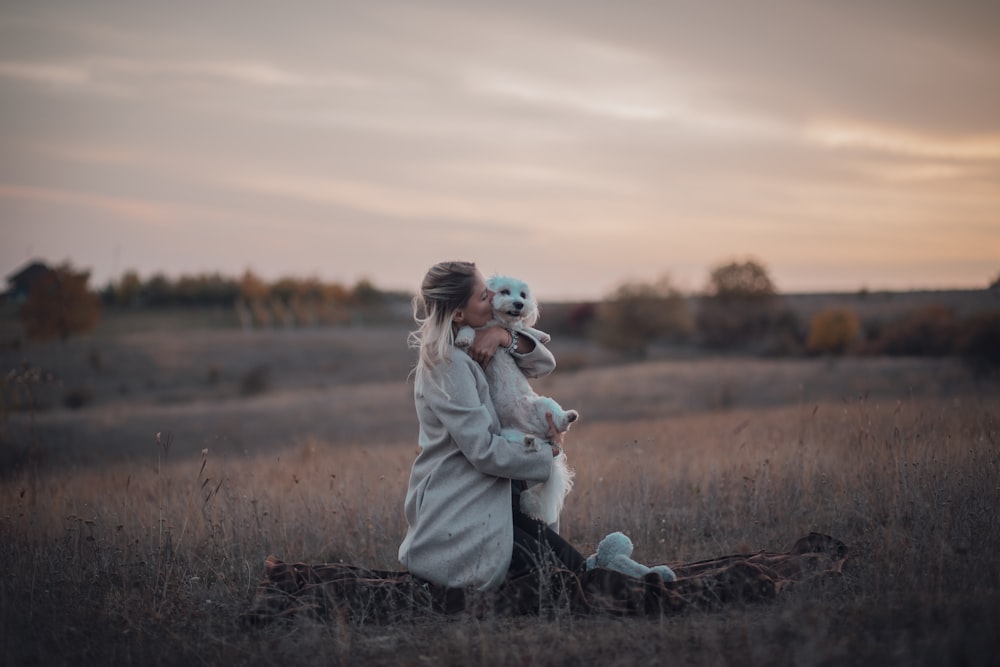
{"x":60,"y":304}
{"x":929,"y":331}
{"x":78,"y":397}
{"x":978,"y":342}
{"x":832,"y":330}
{"x":256,"y":381}
{"x":636,"y":314}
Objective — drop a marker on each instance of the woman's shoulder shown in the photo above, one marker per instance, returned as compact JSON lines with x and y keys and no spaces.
{"x":455,"y":367}
{"x":456,"y":379}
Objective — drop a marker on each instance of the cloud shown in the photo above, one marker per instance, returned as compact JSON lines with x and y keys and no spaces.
{"x":124,"y":76}
{"x":132,"y":209}
{"x":631,"y":137}
{"x":835,"y":134}
{"x":46,"y":74}
{"x":147,"y":212}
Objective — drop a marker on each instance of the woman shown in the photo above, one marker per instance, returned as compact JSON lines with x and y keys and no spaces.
{"x":461,"y":520}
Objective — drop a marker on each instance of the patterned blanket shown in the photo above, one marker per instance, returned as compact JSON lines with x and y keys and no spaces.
{"x":363,"y":595}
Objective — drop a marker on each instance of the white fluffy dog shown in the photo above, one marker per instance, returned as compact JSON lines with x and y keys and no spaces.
{"x":520,"y":409}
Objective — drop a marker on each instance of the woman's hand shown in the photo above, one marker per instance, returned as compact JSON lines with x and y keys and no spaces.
{"x":555,"y":435}
{"x":487,"y":342}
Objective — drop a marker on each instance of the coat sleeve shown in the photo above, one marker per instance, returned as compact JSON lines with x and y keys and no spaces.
{"x":537,"y":363}
{"x":457,"y":403}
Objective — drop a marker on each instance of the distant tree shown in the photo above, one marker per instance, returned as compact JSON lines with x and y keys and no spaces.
{"x":253,"y":288}
{"x":637,"y":314}
{"x":158,"y":291}
{"x":995,"y":285}
{"x":741,"y":280}
{"x":366,"y":294}
{"x":207,"y":289}
{"x":187,"y":290}
{"x":60,"y":304}
{"x":740,"y":305}
{"x":287,"y":289}
{"x":832,"y":331}
{"x":334,"y":293}
{"x":128,"y":289}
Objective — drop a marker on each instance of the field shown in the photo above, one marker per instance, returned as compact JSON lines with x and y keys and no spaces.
{"x":138,"y":502}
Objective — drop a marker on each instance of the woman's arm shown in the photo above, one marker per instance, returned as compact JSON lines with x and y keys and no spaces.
{"x":456,"y":401}
{"x":488,"y":342}
{"x":533,"y":358}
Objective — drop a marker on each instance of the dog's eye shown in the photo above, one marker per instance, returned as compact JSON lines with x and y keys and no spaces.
{"x":523,"y":295}
{"x":505,"y":292}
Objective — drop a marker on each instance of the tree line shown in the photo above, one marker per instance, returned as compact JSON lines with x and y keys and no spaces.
{"x":60,"y":301}
{"x":215,"y":289}
{"x":739,"y":310}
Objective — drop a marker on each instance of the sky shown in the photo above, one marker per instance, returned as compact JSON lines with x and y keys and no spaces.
{"x":578,"y":145}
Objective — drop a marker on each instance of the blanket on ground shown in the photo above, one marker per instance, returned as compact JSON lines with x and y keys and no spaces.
{"x":364,"y":595}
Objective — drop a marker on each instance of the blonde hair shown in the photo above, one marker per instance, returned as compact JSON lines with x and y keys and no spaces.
{"x":446,"y":288}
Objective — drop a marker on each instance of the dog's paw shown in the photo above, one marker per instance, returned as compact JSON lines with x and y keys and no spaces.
{"x":464,"y":337}
{"x":566,"y":419}
{"x":531,"y":443}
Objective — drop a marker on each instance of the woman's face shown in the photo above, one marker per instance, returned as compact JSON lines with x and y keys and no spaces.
{"x":479,"y":308}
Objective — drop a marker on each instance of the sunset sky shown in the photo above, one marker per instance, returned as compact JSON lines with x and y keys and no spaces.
{"x":844,"y":144}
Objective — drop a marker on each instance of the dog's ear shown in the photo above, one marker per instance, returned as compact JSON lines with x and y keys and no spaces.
{"x":532,"y":312}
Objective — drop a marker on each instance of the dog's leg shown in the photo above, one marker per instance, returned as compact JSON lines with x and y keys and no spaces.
{"x":563,"y":418}
{"x":545,"y":501}
{"x":464,"y":337}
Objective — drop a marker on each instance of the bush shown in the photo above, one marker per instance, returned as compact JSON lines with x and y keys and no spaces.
{"x":979,"y":343}
{"x":78,"y":397}
{"x":256,"y":381}
{"x":832,"y":331}
{"x":637,"y":314}
{"x":60,"y":304}
{"x":929,"y":331}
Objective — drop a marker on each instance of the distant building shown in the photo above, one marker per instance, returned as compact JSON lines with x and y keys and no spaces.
{"x":20,"y":282}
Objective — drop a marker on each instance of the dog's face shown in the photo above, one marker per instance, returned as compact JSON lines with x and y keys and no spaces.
{"x":513,"y":300}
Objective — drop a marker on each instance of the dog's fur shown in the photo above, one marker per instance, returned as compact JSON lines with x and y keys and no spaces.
{"x":520,"y":409}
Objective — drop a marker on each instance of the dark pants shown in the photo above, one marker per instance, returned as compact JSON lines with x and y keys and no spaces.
{"x":538,"y":548}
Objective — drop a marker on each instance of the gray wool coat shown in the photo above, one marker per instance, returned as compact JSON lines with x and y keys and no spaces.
{"x":458,"y":503}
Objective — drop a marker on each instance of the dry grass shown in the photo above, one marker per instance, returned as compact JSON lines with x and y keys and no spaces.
{"x":122,"y":550}
{"x":150,"y":562}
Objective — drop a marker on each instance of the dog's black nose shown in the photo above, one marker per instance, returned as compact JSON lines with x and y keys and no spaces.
{"x":518,"y":304}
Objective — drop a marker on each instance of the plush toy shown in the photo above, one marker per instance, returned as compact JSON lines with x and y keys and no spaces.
{"x":614,"y":552}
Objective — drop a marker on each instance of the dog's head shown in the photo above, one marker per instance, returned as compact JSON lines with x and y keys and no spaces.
{"x":513,"y":301}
